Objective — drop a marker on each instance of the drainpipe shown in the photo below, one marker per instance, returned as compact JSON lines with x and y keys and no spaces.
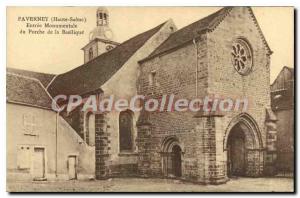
{"x":196,"y":83}
{"x":56,"y":139}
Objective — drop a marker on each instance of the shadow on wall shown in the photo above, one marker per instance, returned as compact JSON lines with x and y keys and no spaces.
{"x":71,"y":144}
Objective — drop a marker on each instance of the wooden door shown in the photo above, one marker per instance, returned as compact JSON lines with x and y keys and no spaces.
{"x":176,"y":161}
{"x":39,"y":163}
{"x":72,"y":167}
{"x":237,"y":156}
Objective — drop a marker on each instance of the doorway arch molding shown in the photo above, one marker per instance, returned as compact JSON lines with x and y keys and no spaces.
{"x":169,"y":142}
{"x":253,"y":130}
{"x":171,"y":160}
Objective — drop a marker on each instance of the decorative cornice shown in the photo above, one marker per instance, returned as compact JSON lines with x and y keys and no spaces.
{"x":260,"y":31}
{"x":213,"y":26}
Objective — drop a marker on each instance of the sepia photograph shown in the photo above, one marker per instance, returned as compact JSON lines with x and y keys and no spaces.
{"x":150,"y":99}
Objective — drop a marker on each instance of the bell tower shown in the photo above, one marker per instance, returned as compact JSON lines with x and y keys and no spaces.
{"x":100,"y":38}
{"x":102,"y":16}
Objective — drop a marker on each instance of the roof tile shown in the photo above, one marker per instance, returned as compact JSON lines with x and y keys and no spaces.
{"x":92,"y":75}
{"x":188,"y":33}
{"x":44,"y":78}
{"x":24,"y":90}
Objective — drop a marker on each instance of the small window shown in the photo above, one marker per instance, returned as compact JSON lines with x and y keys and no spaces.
{"x":152,"y":78}
{"x":100,"y":15}
{"x":29,"y":124}
{"x":104,"y":19}
{"x":91,"y":56}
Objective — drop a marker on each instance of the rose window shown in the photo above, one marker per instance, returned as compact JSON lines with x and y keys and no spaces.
{"x":241,"y":57}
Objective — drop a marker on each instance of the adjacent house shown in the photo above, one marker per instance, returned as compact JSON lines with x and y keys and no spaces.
{"x":282,"y":100}
{"x":40,"y":144}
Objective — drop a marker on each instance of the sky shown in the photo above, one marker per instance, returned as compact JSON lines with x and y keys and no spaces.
{"x":60,"y":53}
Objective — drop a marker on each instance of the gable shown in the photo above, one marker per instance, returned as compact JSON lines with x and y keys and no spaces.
{"x":260,"y":31}
{"x":195,"y":30}
{"x":189,"y":32}
{"x":239,"y":23}
{"x":282,"y":90}
{"x":283,"y":79}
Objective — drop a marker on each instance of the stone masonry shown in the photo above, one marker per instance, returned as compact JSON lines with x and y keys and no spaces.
{"x":204,"y":139}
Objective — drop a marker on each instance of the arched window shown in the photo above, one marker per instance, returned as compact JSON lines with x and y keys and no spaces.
{"x":90,"y":131}
{"x":91,"y":56}
{"x":126,"y":131}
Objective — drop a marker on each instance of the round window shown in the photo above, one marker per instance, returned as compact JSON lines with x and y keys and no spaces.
{"x":241,"y":56}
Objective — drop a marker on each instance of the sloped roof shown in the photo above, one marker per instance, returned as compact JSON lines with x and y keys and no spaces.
{"x":282,"y":97}
{"x":290,"y":69}
{"x":194,"y":30}
{"x":188,"y":33}
{"x":93,"y":74}
{"x":44,"y":78}
{"x":27,"y":91}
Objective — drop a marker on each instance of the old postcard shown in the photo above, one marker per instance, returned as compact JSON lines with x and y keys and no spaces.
{"x":150,"y":99}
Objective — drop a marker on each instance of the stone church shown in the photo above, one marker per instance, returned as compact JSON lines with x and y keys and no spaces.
{"x":224,"y":53}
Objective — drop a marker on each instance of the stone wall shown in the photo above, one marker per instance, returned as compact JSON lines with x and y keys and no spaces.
{"x":226,"y":82}
{"x":123,"y":84}
{"x":175,"y":74}
{"x":202,"y":138}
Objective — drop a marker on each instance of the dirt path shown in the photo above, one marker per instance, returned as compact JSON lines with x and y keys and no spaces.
{"x":154,"y":185}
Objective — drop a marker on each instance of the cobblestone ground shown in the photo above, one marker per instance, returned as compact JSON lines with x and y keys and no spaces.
{"x":155,"y":185}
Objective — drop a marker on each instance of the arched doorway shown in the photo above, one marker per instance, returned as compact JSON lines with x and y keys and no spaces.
{"x":176,"y":161}
{"x":171,"y":157}
{"x":236,"y":159}
{"x":243,"y":146}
